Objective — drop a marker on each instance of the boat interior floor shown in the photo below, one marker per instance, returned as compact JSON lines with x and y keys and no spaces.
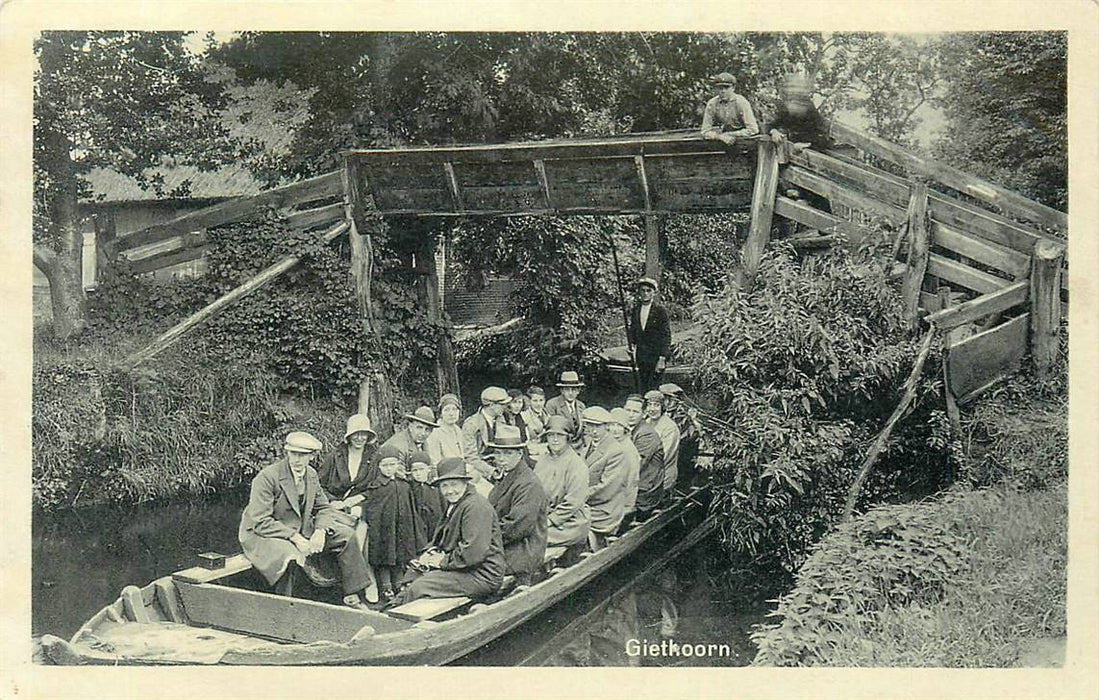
{"x":172,"y":641}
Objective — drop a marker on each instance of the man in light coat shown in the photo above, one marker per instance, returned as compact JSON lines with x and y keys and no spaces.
{"x":619,"y":429}
{"x":650,"y":486}
{"x":669,"y":436}
{"x":564,"y":477}
{"x":607,"y":473}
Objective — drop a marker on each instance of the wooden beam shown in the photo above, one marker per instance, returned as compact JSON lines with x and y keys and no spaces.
{"x":979,"y":307}
{"x":234,"y":210}
{"x":846,"y":196}
{"x":652,"y":223}
{"x":172,"y":335}
{"x":446,"y":370}
{"x":811,"y":216}
{"x":172,"y":257}
{"x":964,"y":275}
{"x":1045,"y":305}
{"x":543,"y":181}
{"x":318,"y":216}
{"x":980,"y":360}
{"x":763,"y":209}
{"x":1008,"y":201}
{"x":452,"y":183}
{"x":950,"y":399}
{"x":919,"y":246}
{"x":999,"y":257}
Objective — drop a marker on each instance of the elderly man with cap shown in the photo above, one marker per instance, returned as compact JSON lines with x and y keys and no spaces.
{"x":568,"y":404}
{"x":466,"y":557}
{"x":564,"y":477}
{"x":619,"y":429}
{"x":447,"y":440}
{"x":650,"y":334}
{"x":650,"y":486}
{"x":727,"y":114}
{"x":607,"y":474}
{"x":669,"y":436}
{"x":288,"y":518}
{"x":412,"y":437}
{"x":686,"y":419}
{"x":478,"y":431}
{"x":520,"y":504}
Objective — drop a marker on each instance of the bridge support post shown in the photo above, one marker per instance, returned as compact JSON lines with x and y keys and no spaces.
{"x":763,"y":212}
{"x":1045,"y":304}
{"x":446,"y":371}
{"x":919,"y":248}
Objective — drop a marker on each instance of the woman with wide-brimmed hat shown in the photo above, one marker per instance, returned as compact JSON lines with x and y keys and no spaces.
{"x":564,"y":477}
{"x":467,"y":555}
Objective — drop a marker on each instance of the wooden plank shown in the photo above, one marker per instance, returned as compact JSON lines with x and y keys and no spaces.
{"x":846,"y":196}
{"x":277,"y":617}
{"x":197,"y":574}
{"x":979,"y":359}
{"x":597,"y":194}
{"x":995,"y":256}
{"x":401,"y":174}
{"x":929,"y":302}
{"x":235,"y":210}
{"x":491,"y":174}
{"x":134,"y":605}
{"x":310,"y":218}
{"x":964,"y":275}
{"x":919,"y":247}
{"x":763,"y":210}
{"x":984,"y":305}
{"x":173,"y":334}
{"x":812,"y":217}
{"x":503,"y":197}
{"x":1008,"y":201}
{"x":949,"y":397}
{"x":543,"y":181}
{"x":418,"y":199}
{"x":733,"y":195}
{"x":428,"y":608}
{"x":174,"y":257}
{"x":168,"y":599}
{"x":643,"y":177}
{"x":702,"y":165}
{"x":1045,"y":306}
{"x":452,"y":183}
{"x":889,"y":189}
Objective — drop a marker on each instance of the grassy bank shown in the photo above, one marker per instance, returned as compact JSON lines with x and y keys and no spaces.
{"x":975,"y":577}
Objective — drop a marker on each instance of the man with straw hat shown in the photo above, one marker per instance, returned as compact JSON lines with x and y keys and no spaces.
{"x":286,"y":521}
{"x":727,"y":115}
{"x":520,"y":504}
{"x":412,"y":437}
{"x":607,"y":474}
{"x":564,"y":477}
{"x":466,"y":557}
{"x":568,"y":404}
{"x":650,"y":334}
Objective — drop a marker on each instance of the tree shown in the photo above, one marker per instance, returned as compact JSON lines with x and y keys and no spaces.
{"x":124,"y":100}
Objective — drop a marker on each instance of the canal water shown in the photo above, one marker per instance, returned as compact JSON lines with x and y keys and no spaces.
{"x":633,"y":615}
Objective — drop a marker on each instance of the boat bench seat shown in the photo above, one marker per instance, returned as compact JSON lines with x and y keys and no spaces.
{"x":198,"y":574}
{"x":428,"y":608}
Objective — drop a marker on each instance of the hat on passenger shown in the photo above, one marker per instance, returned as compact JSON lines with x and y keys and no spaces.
{"x":507,"y":437}
{"x":557,"y":424}
{"x":419,"y":456}
{"x":670,"y":389}
{"x":597,"y":415}
{"x":452,"y":468}
{"x":424,"y":415}
{"x":386,"y":452}
{"x":647,"y":282}
{"x":301,"y":441}
{"x":654,"y":395}
{"x":449,"y":400}
{"x":493,"y":394}
{"x":619,"y":415}
{"x":359,"y":423}
{"x":723,"y":80}
{"x":570,"y":379}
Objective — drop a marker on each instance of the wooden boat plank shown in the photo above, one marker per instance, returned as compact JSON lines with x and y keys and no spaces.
{"x":428,"y":608}
{"x":168,"y":599}
{"x":197,"y":574}
{"x":276,"y":617}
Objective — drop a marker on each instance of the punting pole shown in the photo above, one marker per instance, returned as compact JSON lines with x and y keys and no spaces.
{"x":625,"y":314}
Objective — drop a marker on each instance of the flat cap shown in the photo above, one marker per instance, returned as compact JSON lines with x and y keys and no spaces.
{"x":647,"y":282}
{"x":494,"y":394}
{"x":597,"y":415}
{"x":654,"y":395}
{"x":301,"y":441}
{"x":619,"y":415}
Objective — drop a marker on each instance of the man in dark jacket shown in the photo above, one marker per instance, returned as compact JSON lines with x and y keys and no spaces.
{"x":650,"y":333}
{"x":797,"y":122}
{"x":467,"y":555}
{"x":650,"y":485}
{"x":521,"y":506}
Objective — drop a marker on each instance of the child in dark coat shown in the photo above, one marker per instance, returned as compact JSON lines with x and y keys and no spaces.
{"x":429,"y":503}
{"x":395,"y":536}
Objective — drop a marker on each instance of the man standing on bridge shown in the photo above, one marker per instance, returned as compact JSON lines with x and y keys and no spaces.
{"x":727,"y":114}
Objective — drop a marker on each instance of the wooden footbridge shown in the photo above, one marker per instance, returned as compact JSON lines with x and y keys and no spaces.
{"x":982,"y":263}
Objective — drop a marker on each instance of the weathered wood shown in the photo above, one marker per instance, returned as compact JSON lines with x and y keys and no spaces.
{"x":980,"y":359}
{"x":428,"y":608}
{"x":355,"y":190}
{"x":513,"y":197}
{"x":162,"y":260}
{"x":543,"y":182}
{"x":134,"y":605}
{"x":422,"y":199}
{"x":652,"y":223}
{"x":979,"y":307}
{"x":710,"y":166}
{"x":452,"y":183}
{"x":996,"y":256}
{"x":277,"y":617}
{"x":169,"y":601}
{"x":964,"y":275}
{"x":567,"y":195}
{"x":763,"y":209}
{"x":318,"y":216}
{"x":198,"y":574}
{"x":919,"y":247}
{"x":953,"y":415}
{"x":446,"y":369}
{"x":1045,"y":305}
{"x":172,"y":335}
{"x":235,"y":210}
{"x":495,"y":174}
{"x":812,"y":217}
{"x":878,"y":446}
{"x":1011,"y":202}
{"x":846,"y":196}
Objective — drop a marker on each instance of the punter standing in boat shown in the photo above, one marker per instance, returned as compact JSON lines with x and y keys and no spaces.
{"x":412,"y":437}
{"x":669,"y":436}
{"x":569,"y":405}
{"x":650,"y":485}
{"x":650,"y":334}
{"x":619,"y":429}
{"x":564,"y":477}
{"x":478,"y":431}
{"x":447,"y":439}
{"x":607,"y":473}
{"x":467,"y":555}
{"x":520,"y":504}
{"x":286,"y":520}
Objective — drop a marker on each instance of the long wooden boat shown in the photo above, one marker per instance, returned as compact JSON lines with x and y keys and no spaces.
{"x":199,"y":616}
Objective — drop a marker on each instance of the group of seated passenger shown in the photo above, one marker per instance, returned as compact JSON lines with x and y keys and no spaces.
{"x":439,"y":510}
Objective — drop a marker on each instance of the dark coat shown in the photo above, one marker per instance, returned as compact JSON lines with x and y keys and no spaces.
{"x":810,"y":127}
{"x":656,"y":338}
{"x":335,"y":477}
{"x":470,"y":536}
{"x":650,"y":485}
{"x":395,"y":536}
{"x":274,"y":513}
{"x":430,"y":508}
{"x":521,"y":506}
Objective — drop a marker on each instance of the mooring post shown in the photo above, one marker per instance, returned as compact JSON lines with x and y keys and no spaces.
{"x":1045,"y":304}
{"x":763,"y":212}
{"x":919,"y":248}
